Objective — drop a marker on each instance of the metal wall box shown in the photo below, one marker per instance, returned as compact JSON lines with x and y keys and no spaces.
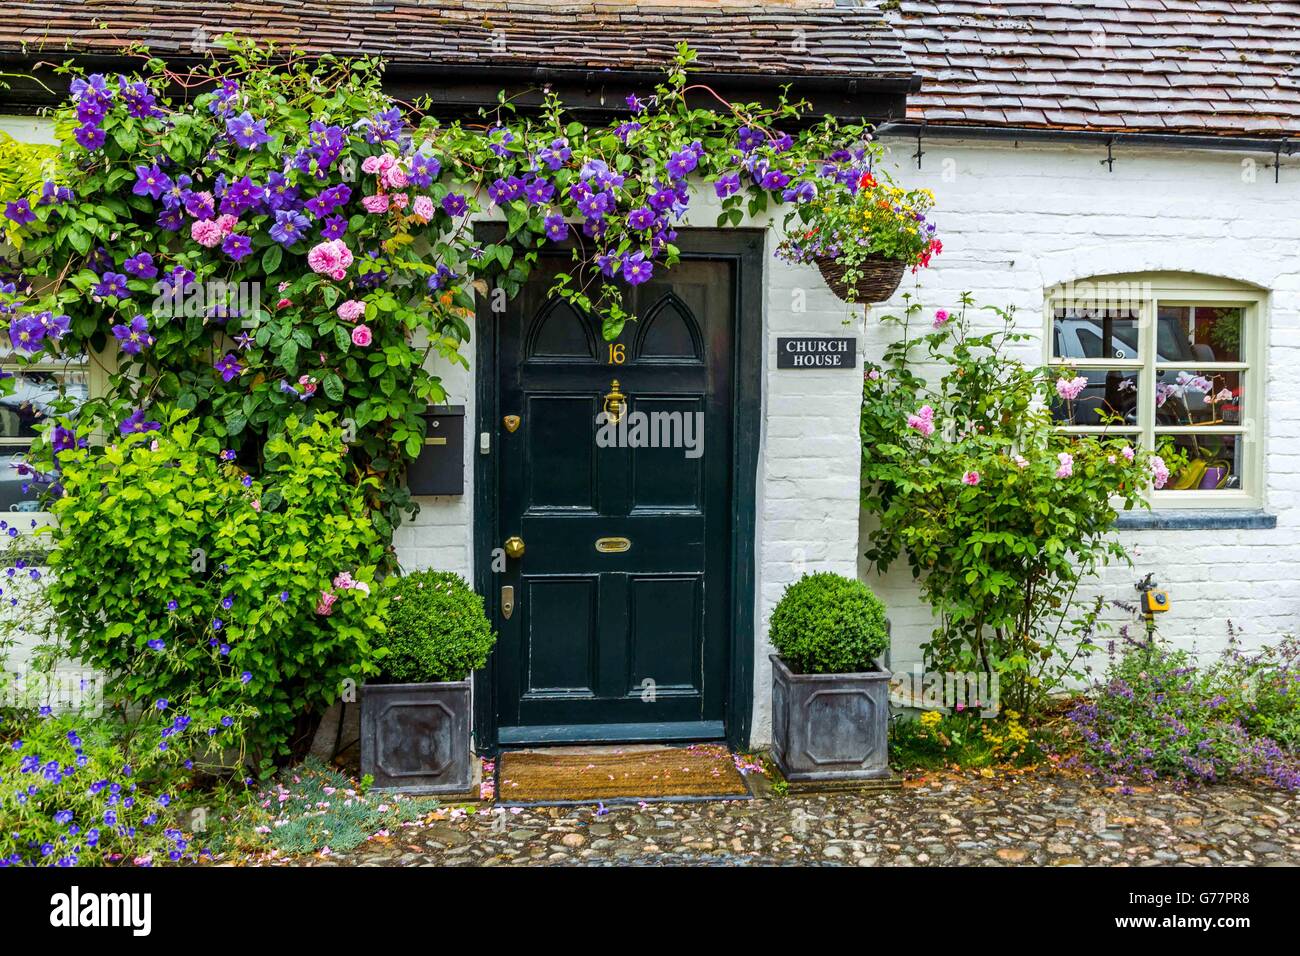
{"x":440,"y":467}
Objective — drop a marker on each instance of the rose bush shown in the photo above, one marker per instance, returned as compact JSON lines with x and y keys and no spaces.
{"x":1000,"y":514}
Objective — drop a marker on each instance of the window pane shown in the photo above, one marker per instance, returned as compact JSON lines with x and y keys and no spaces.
{"x":1191,"y":397}
{"x":1094,"y":334}
{"x":1203,"y":462}
{"x":12,"y":495}
{"x":1109,"y":398}
{"x":1199,"y":334}
{"x":38,"y":395}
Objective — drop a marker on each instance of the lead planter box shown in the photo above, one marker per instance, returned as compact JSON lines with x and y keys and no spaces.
{"x":415,"y":737}
{"x":830,"y":726}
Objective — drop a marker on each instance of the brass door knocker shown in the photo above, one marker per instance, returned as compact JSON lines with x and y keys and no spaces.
{"x":615,"y":403}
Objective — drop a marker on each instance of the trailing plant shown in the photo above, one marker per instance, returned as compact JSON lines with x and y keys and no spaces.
{"x":80,"y":790}
{"x":179,"y":575}
{"x":829,"y":624}
{"x":288,"y":240}
{"x":1157,"y":715}
{"x":862,"y":214}
{"x":999,"y":514}
{"x":437,"y":629}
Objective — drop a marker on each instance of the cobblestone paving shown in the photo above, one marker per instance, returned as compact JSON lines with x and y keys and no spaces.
{"x":1038,"y":818}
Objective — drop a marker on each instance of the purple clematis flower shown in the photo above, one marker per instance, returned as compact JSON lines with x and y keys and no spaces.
{"x":237,"y":246}
{"x":641,"y":218}
{"x":141,"y":266}
{"x":289,"y":227}
{"x":247,"y":132}
{"x":20,"y":212}
{"x":89,"y":136}
{"x":424,"y":170}
{"x":727,"y":184}
{"x":334,"y":228}
{"x":454,"y":204}
{"x":681,"y":163}
{"x":151,"y":181}
{"x":133,"y":337}
{"x":556,"y":227}
{"x":229,"y":367}
{"x":112,"y":284}
{"x":135,"y":423}
{"x":636,"y":268}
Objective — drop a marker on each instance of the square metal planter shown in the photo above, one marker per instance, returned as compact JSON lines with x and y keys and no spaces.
{"x":828,"y":727}
{"x":415,"y":737}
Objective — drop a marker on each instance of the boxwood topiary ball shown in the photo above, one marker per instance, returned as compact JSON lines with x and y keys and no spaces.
{"x":828,"y":624}
{"x":437,"y":630}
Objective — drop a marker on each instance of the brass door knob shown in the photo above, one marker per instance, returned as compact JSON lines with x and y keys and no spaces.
{"x":514,"y":547}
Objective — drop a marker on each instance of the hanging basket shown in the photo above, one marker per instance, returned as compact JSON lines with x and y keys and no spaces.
{"x":877,"y":279}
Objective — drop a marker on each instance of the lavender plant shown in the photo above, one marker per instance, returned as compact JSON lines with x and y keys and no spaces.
{"x":1158,"y":716}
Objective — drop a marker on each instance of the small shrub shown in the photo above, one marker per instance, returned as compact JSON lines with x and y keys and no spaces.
{"x":829,"y":624}
{"x":183,"y":576}
{"x":437,"y":630}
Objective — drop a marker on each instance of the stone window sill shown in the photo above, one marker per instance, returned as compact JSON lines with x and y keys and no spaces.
{"x":1207,"y":519}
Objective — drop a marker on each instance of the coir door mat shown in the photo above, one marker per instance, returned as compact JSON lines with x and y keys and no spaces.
{"x":589,"y":774}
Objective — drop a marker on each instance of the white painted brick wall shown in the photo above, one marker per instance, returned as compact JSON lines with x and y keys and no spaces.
{"x":1015,"y":221}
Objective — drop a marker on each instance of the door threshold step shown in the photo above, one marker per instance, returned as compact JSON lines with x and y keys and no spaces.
{"x":674,"y":732}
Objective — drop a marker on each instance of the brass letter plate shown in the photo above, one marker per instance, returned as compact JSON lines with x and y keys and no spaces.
{"x":612,"y":545}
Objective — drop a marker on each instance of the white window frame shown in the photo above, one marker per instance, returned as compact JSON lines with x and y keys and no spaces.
{"x":1182,"y":289}
{"x":98,"y":367}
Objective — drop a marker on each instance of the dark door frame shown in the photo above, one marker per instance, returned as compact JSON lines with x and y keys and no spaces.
{"x":744,"y":247}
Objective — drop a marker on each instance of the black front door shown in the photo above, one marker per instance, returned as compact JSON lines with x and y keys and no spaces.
{"x":621,"y":599}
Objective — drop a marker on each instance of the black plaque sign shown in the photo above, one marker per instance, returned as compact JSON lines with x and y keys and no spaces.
{"x":808,"y":351}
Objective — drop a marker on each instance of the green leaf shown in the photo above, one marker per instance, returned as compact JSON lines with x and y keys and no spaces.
{"x":271,"y":259}
{"x":333,"y":386}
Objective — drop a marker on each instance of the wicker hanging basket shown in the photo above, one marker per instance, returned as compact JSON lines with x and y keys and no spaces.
{"x":877,"y":279}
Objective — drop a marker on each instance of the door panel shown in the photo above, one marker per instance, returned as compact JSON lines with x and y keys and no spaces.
{"x":609,"y":636}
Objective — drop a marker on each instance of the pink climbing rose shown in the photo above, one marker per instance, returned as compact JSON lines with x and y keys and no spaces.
{"x":1071,"y":388}
{"x":1066,"y":467}
{"x":206,"y":233}
{"x":940,"y":318}
{"x":971,"y":478}
{"x":330,"y":258}
{"x":922,"y":421}
{"x":1127,"y":452}
{"x":351,"y":310}
{"x":376,"y":203}
{"x":394,"y":177}
{"x":361,"y":336}
{"x":325,"y":606}
{"x":422,"y":208}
